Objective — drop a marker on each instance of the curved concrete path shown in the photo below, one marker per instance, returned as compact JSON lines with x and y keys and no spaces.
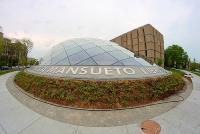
{"x":15,"y":118}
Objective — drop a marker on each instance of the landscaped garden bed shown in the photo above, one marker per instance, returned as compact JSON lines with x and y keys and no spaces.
{"x":100,"y":94}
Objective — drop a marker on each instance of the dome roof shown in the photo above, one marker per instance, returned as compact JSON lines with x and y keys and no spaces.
{"x":88,"y":51}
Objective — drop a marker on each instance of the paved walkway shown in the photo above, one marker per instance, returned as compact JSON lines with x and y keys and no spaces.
{"x":15,"y":118}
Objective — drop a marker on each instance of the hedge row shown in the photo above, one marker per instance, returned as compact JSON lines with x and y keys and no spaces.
{"x":99,"y":94}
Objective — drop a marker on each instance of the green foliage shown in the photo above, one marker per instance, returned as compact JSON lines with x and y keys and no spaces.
{"x":175,"y":71}
{"x":14,"y":51}
{"x":31,"y":61}
{"x":28,"y":45}
{"x":159,"y":61}
{"x":169,"y":62}
{"x":176,"y":54}
{"x":193,"y":65}
{"x":90,"y":92}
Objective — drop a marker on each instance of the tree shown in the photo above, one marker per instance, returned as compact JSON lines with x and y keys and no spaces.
{"x":28,"y":44}
{"x":1,"y":29}
{"x":169,"y":62}
{"x":176,"y":54}
{"x":31,"y":61}
{"x":159,"y":61}
{"x":1,"y":45}
{"x":193,"y":65}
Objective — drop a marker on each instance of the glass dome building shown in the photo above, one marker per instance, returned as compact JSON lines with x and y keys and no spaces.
{"x":88,"y":58}
{"x":92,"y":52}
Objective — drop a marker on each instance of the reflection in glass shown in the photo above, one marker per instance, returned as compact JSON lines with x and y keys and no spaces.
{"x":58,"y":57}
{"x":118,"y":64}
{"x":94,"y":51}
{"x":119,"y":55}
{"x":130,"y":61}
{"x":57,"y":47}
{"x":78,"y":57}
{"x":87,"y":46}
{"x":63,"y":62}
{"x":120,"y":48}
{"x":104,"y":59}
{"x":88,"y":61}
{"x":74,"y":50}
{"x":108,"y":48}
{"x":142,"y":61}
{"x":70,"y":46}
{"x":48,"y":62}
{"x":55,"y":53}
{"x":82,"y":42}
{"x":90,"y":51}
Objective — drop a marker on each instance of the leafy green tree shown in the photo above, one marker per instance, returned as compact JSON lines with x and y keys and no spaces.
{"x":1,"y":29}
{"x":28,"y":44}
{"x":169,"y":62}
{"x":1,"y":45}
{"x":193,"y":65}
{"x":31,"y":61}
{"x":176,"y":54}
{"x":159,"y":61}
{"x":14,"y":51}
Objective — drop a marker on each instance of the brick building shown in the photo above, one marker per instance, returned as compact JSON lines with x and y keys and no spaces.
{"x":146,"y":41}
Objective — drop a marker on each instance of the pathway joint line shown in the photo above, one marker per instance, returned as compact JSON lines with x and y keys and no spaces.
{"x":3,"y":128}
{"x":127,"y":129}
{"x":76,"y":130}
{"x":30,"y":124}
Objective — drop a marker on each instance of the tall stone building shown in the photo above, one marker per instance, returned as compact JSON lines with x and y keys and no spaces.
{"x":146,"y":41}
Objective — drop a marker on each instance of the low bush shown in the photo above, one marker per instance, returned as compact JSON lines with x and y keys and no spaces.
{"x":99,"y":93}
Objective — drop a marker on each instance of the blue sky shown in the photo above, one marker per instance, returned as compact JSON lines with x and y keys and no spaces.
{"x":47,"y":23}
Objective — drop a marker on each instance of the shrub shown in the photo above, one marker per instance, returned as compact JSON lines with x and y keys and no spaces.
{"x":99,"y":94}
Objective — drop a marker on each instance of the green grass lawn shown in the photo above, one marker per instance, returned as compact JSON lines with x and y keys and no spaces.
{"x":194,"y":72}
{"x":181,"y":73}
{"x":5,"y":72}
{"x":175,"y":71}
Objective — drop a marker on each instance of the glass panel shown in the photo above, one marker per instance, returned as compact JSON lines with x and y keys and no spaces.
{"x":118,"y":64}
{"x":100,"y":44}
{"x":87,"y":62}
{"x":120,"y":48}
{"x":48,"y":62}
{"x":87,"y":46}
{"x":57,"y":47}
{"x":119,"y":55}
{"x":129,"y":53}
{"x":104,"y":59}
{"x":143,"y":62}
{"x":113,"y":44}
{"x":74,"y":50}
{"x":82,"y":42}
{"x":45,"y":59}
{"x":65,"y":44}
{"x":108,"y":48}
{"x":48,"y":53}
{"x":77,"y":39}
{"x":58,"y":58}
{"x":70,"y":46}
{"x":92,"y":39}
{"x":63,"y":62}
{"x":78,"y":57}
{"x":55,"y":53}
{"x":94,"y":51}
{"x":130,"y":61}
